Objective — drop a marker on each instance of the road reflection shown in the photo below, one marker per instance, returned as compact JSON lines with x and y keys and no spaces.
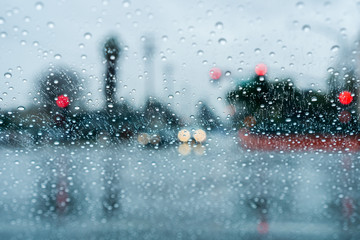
{"x":211,"y":189}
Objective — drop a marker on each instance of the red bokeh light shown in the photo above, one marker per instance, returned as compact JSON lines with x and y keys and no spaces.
{"x":344,"y":116}
{"x":261,"y":69}
{"x":263,"y":227}
{"x":215,"y":73}
{"x":345,"y":97}
{"x":62,"y":101}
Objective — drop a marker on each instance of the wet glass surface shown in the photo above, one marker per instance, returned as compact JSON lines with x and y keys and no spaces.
{"x":179,"y":120}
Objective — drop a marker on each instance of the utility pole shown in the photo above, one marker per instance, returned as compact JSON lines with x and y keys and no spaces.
{"x":149,"y":49}
{"x":112,"y":53}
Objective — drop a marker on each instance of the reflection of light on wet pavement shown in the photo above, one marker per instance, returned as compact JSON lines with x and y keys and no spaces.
{"x":199,"y":149}
{"x":263,"y":227}
{"x":184,"y":149}
{"x":208,"y":186}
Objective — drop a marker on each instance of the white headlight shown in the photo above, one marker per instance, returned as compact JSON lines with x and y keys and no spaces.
{"x":184,"y":135}
{"x":200,"y":135}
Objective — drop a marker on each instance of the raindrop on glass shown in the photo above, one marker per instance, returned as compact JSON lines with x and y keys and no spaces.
{"x":219,"y":25}
{"x":222,"y":41}
{"x":126,"y":4}
{"x":39,"y":6}
{"x":51,"y":25}
{"x":257,"y":50}
{"x":7,"y":75}
{"x":335,"y":48}
{"x":306,"y":28}
{"x":300,"y":5}
{"x":87,"y":36}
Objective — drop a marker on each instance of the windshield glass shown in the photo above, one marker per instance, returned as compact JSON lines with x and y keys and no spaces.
{"x":179,"y":119}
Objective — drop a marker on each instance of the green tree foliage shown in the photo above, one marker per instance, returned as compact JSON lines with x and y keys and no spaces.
{"x":280,"y":106}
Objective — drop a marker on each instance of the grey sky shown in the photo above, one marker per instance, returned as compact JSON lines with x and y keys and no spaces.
{"x":186,"y":34}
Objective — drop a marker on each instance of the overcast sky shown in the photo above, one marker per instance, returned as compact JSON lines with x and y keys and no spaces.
{"x":294,"y":38}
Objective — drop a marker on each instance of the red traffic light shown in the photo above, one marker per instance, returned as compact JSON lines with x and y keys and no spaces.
{"x":215,"y":73}
{"x":261,"y":69}
{"x":62,"y":101}
{"x":345,"y":97}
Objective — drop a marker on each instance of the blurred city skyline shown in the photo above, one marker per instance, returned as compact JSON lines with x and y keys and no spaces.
{"x":299,"y":39}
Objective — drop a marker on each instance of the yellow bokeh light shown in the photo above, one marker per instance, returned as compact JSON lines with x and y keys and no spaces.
{"x":143,"y":138}
{"x":155,"y":139}
{"x":184,"y":135}
{"x":200,"y":135}
{"x":199,"y":149}
{"x":184,"y":149}
{"x":249,"y":121}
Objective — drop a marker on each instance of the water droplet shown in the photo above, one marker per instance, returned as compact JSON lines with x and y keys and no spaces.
{"x":288,"y":120}
{"x":56,"y":143}
{"x":306,"y":28}
{"x":219,"y":98}
{"x":8,"y":75}
{"x":39,"y":6}
{"x":21,"y":108}
{"x":314,"y":99}
{"x":330,"y":69}
{"x":335,"y":48}
{"x":51,"y":25}
{"x":227,"y":73}
{"x":126,"y":4}
{"x":200,"y":52}
{"x":300,"y":5}
{"x":57,"y":56}
{"x":170,"y":96}
{"x":219,"y":25}
{"x":257,"y":50}
{"x":87,"y":36}
{"x":2,"y":20}
{"x":222,"y":41}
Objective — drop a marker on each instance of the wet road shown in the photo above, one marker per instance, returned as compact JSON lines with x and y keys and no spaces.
{"x":214,"y":191}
